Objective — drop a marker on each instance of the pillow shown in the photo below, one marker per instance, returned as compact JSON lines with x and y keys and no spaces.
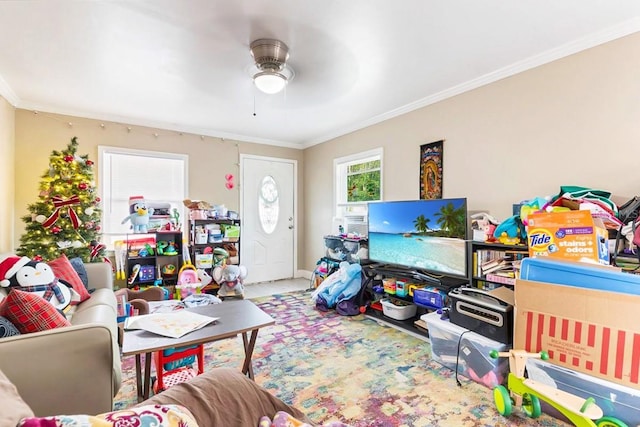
{"x":78,"y":266}
{"x":148,"y":415}
{"x":30,"y":312}
{"x":13,"y":407}
{"x":7,"y":329}
{"x":63,"y":269}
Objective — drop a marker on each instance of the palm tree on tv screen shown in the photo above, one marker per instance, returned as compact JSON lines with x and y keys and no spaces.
{"x":421,"y":224}
{"x":452,"y":220}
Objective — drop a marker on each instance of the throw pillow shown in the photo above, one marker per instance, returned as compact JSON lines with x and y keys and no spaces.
{"x":63,"y":269}
{"x":7,"y":329}
{"x":13,"y":407}
{"x":78,"y":266}
{"x":31,"y":313}
{"x":148,"y":415}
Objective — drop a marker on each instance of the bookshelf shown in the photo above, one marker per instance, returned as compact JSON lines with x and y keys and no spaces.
{"x":494,"y":264}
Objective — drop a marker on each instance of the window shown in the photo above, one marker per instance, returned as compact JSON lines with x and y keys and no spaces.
{"x":358,"y":180}
{"x":161,"y":178}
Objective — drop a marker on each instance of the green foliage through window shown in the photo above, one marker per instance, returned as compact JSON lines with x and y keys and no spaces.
{"x":363,"y":181}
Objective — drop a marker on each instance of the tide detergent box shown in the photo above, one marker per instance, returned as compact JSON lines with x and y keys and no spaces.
{"x":568,"y":235}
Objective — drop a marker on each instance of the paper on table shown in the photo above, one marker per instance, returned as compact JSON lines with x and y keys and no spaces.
{"x":174,"y":325}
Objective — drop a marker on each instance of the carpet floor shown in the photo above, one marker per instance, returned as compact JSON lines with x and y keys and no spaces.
{"x":351,"y":369}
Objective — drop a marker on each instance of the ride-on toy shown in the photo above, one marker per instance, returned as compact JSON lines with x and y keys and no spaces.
{"x":527,"y":393}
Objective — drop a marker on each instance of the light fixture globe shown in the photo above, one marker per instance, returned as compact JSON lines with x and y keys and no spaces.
{"x":272,"y":74}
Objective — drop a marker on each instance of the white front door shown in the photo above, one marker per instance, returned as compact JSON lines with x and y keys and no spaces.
{"x":268,"y":217}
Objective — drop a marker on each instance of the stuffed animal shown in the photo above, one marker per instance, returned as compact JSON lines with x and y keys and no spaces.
{"x":510,"y":231}
{"x":205,"y":278}
{"x":34,"y":276}
{"x":230,"y":278}
{"x":139,"y":214}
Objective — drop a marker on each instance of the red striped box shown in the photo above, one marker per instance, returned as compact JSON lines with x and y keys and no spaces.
{"x":591,"y":331}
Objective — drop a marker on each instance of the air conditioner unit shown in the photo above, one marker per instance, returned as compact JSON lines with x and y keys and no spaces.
{"x":356,"y":224}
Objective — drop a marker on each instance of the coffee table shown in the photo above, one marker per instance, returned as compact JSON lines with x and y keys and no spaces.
{"x":236,"y":317}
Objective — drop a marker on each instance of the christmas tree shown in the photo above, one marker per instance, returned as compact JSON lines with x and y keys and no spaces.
{"x":66,"y":217}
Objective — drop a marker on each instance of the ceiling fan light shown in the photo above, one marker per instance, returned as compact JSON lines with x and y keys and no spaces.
{"x":270,"y":82}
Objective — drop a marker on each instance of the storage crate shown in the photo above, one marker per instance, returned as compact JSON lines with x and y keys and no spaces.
{"x":397,"y":309}
{"x":448,"y":344}
{"x":615,"y":400}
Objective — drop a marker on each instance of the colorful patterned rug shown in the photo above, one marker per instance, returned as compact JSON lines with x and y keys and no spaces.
{"x":351,"y":369}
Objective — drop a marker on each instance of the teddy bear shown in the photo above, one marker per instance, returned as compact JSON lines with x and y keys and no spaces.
{"x":230,"y":278}
{"x":37,"y":277}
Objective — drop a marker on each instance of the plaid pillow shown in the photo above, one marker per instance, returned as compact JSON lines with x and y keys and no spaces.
{"x":63,"y":269}
{"x":30,"y":312}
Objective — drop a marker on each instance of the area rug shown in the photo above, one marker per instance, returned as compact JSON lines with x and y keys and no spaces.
{"x":351,"y":369}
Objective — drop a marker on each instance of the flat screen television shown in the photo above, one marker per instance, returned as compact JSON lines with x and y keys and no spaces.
{"x":427,"y":236}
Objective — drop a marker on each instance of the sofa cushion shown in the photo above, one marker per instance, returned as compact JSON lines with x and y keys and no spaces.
{"x":7,"y":329}
{"x":30,"y":312}
{"x":63,"y":269}
{"x":13,"y":407}
{"x":99,"y":297}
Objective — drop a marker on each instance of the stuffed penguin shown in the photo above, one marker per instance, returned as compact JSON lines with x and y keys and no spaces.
{"x":139,"y":214}
{"x":35,"y":276}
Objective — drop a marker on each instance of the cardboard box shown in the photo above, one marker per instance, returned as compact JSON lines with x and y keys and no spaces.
{"x":570,"y":235}
{"x":592,"y":331}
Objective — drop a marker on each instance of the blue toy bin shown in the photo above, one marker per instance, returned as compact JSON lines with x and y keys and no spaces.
{"x":582,"y":275}
{"x":127,"y":309}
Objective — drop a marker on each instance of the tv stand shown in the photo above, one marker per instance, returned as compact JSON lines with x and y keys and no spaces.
{"x":443,"y":282}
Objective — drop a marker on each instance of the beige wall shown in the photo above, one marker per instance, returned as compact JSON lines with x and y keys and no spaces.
{"x":7,"y":139}
{"x":210,"y":159}
{"x":574,"y":121}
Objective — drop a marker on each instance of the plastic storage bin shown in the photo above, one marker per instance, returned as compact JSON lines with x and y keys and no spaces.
{"x":581,"y":275}
{"x":399,"y":310}
{"x":473,"y":357}
{"x":615,"y":400}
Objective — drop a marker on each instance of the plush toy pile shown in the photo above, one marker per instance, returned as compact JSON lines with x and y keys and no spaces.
{"x":33,"y":297}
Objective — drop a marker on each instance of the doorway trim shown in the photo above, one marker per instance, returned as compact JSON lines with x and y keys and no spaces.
{"x":294,"y":162}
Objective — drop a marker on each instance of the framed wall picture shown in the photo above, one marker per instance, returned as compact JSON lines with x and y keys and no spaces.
{"x":431,"y":170}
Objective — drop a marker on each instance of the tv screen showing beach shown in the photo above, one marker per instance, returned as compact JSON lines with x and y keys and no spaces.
{"x":426,"y":235}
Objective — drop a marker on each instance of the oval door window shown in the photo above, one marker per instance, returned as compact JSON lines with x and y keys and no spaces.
{"x":268,"y":204}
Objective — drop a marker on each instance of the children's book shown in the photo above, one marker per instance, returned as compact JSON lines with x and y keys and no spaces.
{"x":174,"y":325}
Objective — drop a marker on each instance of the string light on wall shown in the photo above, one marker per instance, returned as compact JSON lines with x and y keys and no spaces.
{"x":129,"y":129}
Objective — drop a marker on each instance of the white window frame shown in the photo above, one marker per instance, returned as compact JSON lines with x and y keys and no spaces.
{"x":105,"y":179}
{"x":343,"y":208}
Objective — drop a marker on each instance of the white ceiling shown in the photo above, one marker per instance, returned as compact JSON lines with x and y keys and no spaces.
{"x":183,"y":64}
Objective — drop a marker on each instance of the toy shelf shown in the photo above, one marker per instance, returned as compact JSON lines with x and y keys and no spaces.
{"x":147,"y":269}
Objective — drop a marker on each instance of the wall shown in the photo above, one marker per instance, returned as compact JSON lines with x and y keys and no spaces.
{"x":210,"y":159}
{"x":7,"y":143}
{"x":573,"y":121}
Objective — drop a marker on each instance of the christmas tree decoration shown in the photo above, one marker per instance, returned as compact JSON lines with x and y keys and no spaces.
{"x":57,"y":221}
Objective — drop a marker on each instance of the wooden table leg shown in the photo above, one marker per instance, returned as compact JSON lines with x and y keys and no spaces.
{"x":147,"y":375}
{"x":139,"y":378}
{"x":247,"y":367}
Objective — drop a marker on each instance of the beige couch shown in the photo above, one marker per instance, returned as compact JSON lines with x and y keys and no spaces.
{"x":75,"y":369}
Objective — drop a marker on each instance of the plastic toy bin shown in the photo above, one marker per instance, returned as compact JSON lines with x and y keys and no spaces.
{"x":473,"y":359}
{"x":615,"y":400}
{"x":397,"y":309}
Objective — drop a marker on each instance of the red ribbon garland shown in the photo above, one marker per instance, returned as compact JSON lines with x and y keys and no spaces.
{"x":59,"y":203}
{"x":96,"y":249}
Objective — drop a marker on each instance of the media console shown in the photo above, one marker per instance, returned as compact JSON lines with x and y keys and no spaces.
{"x":445,"y":283}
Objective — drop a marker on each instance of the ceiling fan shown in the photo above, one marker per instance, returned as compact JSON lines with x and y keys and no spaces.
{"x":272,"y":73}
